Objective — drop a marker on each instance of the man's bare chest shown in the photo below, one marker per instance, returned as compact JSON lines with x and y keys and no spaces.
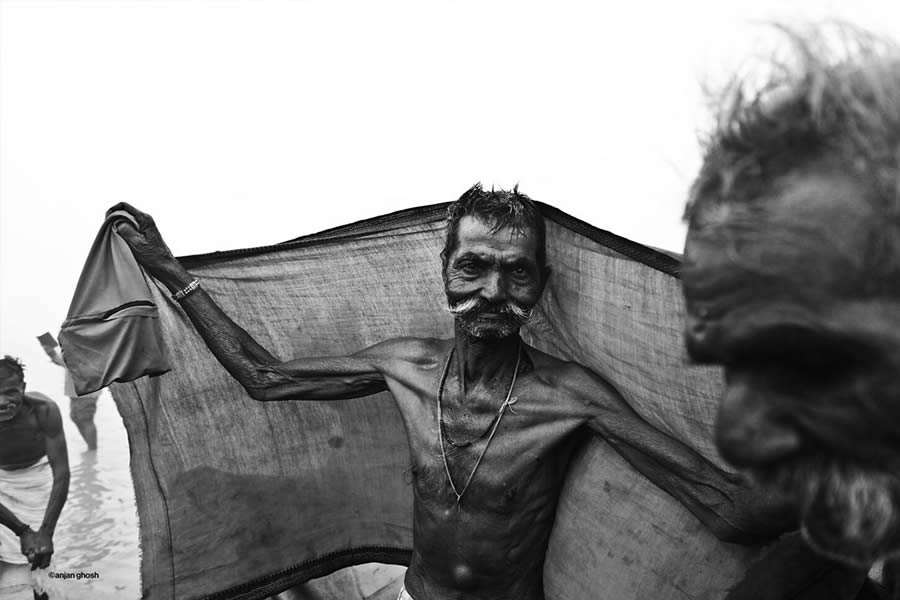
{"x":21,"y":442}
{"x":500,"y":454}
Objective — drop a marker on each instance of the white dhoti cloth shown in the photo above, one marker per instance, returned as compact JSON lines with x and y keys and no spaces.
{"x":404,"y":595}
{"x":25,"y":492}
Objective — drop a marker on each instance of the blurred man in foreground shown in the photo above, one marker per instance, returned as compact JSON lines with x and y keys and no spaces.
{"x":792,"y":283}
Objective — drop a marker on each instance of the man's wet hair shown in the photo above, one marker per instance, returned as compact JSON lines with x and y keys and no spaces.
{"x":499,"y":209}
{"x":13,"y":366}
{"x":834,"y":103}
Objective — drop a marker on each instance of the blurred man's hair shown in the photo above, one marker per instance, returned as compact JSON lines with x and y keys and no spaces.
{"x":12,"y":365}
{"x":834,"y":102}
{"x":498,"y":209}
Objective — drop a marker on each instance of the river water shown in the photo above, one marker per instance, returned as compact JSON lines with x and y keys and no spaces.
{"x":96,"y":544}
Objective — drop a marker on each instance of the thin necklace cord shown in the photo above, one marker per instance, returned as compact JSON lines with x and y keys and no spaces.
{"x":496,"y":424}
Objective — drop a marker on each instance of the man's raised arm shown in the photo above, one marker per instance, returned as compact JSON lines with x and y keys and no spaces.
{"x":732,"y":509}
{"x":264,"y":376}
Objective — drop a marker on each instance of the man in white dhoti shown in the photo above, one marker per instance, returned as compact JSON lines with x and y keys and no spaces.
{"x":34,"y":482}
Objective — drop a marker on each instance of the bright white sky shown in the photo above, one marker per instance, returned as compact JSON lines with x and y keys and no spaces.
{"x":245,"y":123}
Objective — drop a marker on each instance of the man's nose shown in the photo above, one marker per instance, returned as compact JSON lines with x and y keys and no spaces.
{"x":493,"y":289}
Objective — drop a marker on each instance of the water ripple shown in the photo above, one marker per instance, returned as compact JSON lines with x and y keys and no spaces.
{"x":98,"y":529}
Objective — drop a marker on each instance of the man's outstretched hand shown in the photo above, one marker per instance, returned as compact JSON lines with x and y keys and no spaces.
{"x":146,"y":242}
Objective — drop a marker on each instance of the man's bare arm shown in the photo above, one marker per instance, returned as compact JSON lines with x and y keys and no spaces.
{"x":58,"y":457}
{"x":722,"y":501}
{"x":9,"y":520}
{"x":264,"y":376}
{"x":55,"y":357}
{"x":37,"y":546}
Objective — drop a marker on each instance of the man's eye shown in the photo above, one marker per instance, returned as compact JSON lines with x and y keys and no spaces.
{"x":469,"y":268}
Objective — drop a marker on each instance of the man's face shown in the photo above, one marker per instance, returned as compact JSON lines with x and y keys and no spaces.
{"x":492,"y":280}
{"x":12,"y":394}
{"x":774,"y":290}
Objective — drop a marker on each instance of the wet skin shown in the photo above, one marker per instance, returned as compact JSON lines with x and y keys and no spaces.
{"x":491,"y":545}
{"x":776,"y":293}
{"x":23,"y":434}
{"x":30,"y":429}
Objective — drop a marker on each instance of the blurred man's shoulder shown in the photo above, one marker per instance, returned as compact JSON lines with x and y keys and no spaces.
{"x":37,"y":398}
{"x":41,"y":404}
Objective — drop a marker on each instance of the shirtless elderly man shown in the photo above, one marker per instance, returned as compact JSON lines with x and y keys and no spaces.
{"x":34,"y":480}
{"x":490,"y":420}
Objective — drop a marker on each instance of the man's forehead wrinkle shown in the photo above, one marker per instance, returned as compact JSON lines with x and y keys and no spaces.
{"x":476,"y":233}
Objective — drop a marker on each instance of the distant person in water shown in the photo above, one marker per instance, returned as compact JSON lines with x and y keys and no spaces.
{"x":34,"y":482}
{"x":81,"y":408}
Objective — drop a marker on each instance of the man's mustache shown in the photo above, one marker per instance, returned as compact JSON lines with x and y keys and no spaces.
{"x":475,"y":305}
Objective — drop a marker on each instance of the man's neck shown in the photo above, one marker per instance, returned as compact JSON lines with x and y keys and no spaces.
{"x":485,"y":359}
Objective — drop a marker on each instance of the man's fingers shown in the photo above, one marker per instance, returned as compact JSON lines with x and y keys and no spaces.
{"x":125,"y":207}
{"x":128,"y":232}
{"x":126,"y":229}
{"x":144,"y":221}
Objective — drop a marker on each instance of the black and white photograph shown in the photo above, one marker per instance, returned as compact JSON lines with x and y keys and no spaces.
{"x":449,"y":300}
